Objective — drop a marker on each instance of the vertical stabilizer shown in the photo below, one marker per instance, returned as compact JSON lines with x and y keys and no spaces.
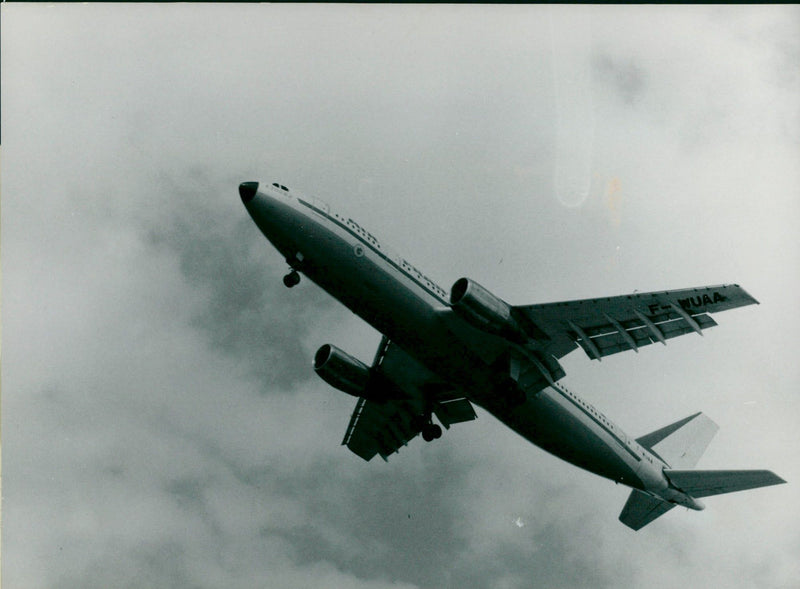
{"x":682,"y":443}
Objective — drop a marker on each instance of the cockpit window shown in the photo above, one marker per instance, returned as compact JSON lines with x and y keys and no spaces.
{"x":284,"y":188}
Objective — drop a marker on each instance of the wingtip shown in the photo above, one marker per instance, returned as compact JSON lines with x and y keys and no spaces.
{"x":778,"y":480}
{"x":753,"y":300}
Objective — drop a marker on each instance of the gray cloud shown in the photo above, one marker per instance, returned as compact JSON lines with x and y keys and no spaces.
{"x":629,"y":79}
{"x":222,"y":254}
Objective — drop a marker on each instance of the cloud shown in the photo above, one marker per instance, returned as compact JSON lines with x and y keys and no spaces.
{"x":628,"y":78}
{"x":221,"y":254}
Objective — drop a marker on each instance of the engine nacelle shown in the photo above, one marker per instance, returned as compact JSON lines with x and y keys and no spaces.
{"x":482,"y":309}
{"x":342,"y":371}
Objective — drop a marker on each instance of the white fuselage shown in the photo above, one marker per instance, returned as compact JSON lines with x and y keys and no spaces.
{"x":402,"y":303}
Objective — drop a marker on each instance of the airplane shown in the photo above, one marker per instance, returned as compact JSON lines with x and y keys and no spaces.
{"x":442,"y":352}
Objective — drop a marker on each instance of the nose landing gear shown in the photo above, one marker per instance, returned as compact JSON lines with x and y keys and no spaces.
{"x":291,"y":279}
{"x":294,"y":262}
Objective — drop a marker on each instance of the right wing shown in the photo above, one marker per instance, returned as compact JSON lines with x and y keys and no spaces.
{"x":382,"y":428}
{"x":609,"y":325}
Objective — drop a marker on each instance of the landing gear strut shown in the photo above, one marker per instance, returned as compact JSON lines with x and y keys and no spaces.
{"x":291,"y":279}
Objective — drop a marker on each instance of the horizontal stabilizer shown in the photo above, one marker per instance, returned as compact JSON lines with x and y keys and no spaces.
{"x":682,"y":443}
{"x":704,"y":483}
{"x":641,"y":509}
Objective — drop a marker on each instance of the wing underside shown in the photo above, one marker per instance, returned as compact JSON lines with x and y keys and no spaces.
{"x":382,"y":428}
{"x":605,"y":326}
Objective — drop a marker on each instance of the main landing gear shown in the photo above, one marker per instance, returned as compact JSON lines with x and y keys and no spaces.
{"x":430,"y":430}
{"x":291,"y":279}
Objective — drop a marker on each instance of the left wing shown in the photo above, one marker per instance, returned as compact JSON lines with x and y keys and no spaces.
{"x":608,"y":325}
{"x":382,"y":428}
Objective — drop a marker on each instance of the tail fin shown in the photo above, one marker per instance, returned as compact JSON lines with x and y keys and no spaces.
{"x":682,"y":443}
{"x":641,"y":508}
{"x":704,"y":483}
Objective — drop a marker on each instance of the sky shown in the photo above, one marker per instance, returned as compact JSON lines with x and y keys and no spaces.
{"x":161,"y":423}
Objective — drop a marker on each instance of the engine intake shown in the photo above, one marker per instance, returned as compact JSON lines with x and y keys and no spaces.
{"x":483,"y":310}
{"x":342,"y":371}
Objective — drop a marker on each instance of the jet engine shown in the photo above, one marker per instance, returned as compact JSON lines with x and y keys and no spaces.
{"x":483,"y":310}
{"x":341,"y":370}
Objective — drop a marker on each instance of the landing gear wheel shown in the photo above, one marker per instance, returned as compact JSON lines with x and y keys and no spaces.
{"x":431,"y":432}
{"x":291,"y":279}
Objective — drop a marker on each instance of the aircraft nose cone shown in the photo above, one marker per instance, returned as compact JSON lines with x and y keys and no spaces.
{"x":247,"y":190}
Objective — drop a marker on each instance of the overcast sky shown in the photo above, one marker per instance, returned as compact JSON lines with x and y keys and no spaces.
{"x":161,"y":422}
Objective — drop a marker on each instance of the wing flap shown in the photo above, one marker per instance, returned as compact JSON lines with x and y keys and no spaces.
{"x":454,"y":411}
{"x":611,"y":342}
{"x":381,"y":428}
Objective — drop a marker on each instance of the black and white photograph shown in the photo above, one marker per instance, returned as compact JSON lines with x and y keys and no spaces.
{"x":400,"y":296}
